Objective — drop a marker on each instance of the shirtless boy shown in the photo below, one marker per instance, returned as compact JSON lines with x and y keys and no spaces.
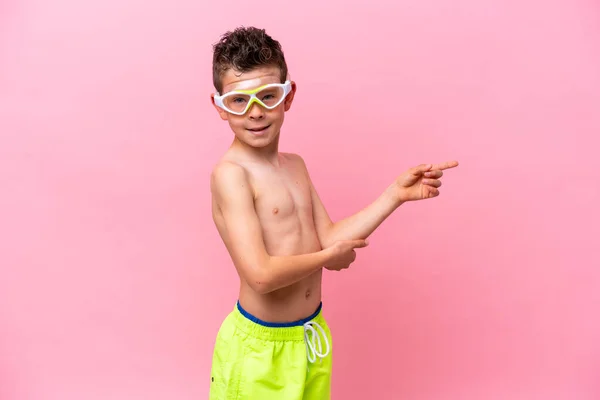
{"x":275,"y":343}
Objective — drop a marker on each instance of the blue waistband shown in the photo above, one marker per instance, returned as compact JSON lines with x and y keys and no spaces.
{"x":278,"y":324}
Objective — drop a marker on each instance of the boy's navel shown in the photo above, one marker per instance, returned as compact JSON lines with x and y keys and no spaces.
{"x":275,"y":210}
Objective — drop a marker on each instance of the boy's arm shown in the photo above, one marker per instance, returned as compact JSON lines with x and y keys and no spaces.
{"x":417,"y":183}
{"x":263,"y":272}
{"x":357,"y":226}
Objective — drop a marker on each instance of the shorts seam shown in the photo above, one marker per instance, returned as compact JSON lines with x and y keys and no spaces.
{"x":242,"y":369}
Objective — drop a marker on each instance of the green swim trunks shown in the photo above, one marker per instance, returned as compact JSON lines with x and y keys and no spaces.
{"x":258,"y":360}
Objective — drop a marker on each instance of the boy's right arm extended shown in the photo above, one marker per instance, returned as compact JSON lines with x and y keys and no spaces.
{"x":263,"y":272}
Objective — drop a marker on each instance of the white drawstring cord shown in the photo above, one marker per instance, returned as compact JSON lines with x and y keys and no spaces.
{"x":314,"y":347}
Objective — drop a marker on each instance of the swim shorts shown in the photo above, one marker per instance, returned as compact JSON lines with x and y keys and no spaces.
{"x":260,"y":360}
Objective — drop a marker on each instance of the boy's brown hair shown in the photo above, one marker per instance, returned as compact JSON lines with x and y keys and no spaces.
{"x":245,"y":49}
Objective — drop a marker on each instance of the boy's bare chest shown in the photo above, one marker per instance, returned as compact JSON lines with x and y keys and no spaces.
{"x":282,"y":194}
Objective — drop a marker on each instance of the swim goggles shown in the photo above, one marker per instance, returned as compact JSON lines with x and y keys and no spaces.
{"x":238,"y":102}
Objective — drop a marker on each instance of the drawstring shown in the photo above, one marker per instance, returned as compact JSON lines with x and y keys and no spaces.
{"x":314,"y":347}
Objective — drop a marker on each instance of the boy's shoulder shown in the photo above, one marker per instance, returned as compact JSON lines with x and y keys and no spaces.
{"x":228,"y":164}
{"x":227,"y":174}
{"x":226,"y":167}
{"x":228,"y":170}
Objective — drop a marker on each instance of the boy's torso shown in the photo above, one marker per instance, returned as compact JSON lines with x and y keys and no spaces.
{"x":284,"y":207}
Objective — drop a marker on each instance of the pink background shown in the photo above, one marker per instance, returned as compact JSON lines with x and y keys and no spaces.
{"x":114,"y":281}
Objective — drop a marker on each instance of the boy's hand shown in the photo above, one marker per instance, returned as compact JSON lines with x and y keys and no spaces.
{"x":343,"y":254}
{"x":421,"y":182}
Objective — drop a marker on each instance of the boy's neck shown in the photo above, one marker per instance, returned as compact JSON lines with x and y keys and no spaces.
{"x":268,"y":153}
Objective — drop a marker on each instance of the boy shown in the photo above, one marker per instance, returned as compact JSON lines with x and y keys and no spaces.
{"x":275,"y":344}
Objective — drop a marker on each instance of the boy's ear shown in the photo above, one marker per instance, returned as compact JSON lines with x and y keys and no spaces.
{"x":222,"y":113}
{"x":290,"y":97}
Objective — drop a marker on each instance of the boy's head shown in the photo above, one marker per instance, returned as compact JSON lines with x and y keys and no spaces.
{"x":244,"y":60}
{"x":244,"y":50}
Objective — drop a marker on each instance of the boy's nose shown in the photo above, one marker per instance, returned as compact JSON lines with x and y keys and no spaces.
{"x":256,"y":111}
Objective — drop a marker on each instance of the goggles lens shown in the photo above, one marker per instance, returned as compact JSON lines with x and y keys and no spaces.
{"x":269,"y":96}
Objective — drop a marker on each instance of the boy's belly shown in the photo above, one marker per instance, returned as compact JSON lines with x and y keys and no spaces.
{"x":296,"y":301}
{"x":287,"y":304}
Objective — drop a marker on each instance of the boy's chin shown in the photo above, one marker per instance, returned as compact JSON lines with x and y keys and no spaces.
{"x":256,"y":140}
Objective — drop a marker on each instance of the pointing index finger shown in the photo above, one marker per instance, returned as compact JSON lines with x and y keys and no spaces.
{"x":446,"y":165}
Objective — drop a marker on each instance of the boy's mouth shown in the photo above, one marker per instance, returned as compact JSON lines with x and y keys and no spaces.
{"x":259,"y":130}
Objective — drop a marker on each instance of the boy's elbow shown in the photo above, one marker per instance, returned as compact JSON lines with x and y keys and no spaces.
{"x":325,"y":235}
{"x":326,"y":241}
{"x":262,"y":287}
{"x":262,"y":281}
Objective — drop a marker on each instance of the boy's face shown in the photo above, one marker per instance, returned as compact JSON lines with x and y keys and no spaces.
{"x":259,"y":126}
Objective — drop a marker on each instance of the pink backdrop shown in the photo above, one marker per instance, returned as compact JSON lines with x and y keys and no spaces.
{"x":113,"y":279}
